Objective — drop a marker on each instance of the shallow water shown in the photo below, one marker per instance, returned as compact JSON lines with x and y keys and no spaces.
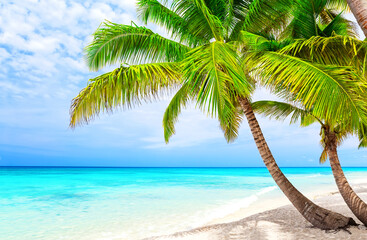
{"x":133,"y":203}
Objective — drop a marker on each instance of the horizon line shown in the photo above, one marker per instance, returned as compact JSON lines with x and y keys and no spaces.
{"x":41,"y":166}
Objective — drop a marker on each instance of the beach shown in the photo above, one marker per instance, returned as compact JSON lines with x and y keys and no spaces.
{"x":278,"y":223}
{"x":154,"y":203}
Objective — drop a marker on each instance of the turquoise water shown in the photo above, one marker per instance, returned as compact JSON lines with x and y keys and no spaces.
{"x":133,"y":203}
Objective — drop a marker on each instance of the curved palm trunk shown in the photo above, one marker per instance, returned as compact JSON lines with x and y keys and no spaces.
{"x":316,"y":215}
{"x":354,"y":202}
{"x":359,"y":10}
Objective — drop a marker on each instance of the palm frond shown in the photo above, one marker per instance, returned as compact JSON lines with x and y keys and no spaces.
{"x":282,"y":110}
{"x":116,"y":43}
{"x":336,"y":50}
{"x":214,"y":75}
{"x":267,"y":14}
{"x":337,"y":4}
{"x":315,"y":18}
{"x":304,"y":22}
{"x":362,"y":135}
{"x":202,"y":21}
{"x":340,"y":26}
{"x":331,"y":92}
{"x":152,"y":11}
{"x":259,"y":42}
{"x":173,"y":110}
{"x":232,"y":125}
{"x":123,"y":87}
{"x":323,"y":157}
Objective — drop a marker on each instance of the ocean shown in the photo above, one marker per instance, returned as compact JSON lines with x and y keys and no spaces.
{"x":134,"y":203}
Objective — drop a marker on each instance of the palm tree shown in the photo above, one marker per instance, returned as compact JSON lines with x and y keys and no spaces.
{"x":332,"y":136}
{"x":326,"y":44}
{"x":344,"y":50}
{"x":203,"y":63}
{"x":359,"y":10}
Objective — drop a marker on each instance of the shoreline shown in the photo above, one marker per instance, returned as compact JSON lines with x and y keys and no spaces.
{"x":276,"y":219}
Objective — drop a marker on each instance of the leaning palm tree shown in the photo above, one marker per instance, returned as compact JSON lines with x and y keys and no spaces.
{"x":203,"y":63}
{"x":332,"y":134}
{"x":334,"y":129}
{"x":325,"y":44}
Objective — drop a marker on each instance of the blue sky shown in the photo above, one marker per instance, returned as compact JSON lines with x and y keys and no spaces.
{"x":42,"y":69}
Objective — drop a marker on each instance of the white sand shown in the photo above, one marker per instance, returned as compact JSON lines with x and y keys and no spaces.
{"x":278,"y":223}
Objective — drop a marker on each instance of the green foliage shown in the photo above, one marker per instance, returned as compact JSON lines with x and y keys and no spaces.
{"x":362,"y":135}
{"x":211,"y":72}
{"x":201,"y":19}
{"x":123,"y":43}
{"x":123,"y":87}
{"x":323,"y":157}
{"x":333,"y":93}
{"x":173,"y":110}
{"x":337,"y":4}
{"x":299,"y":48}
{"x":214,"y":78}
{"x":314,"y":18}
{"x":268,"y":15}
{"x":336,"y":50}
{"x":155,"y":12}
{"x":281,"y":111}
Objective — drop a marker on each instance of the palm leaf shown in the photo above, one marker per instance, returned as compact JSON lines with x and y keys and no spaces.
{"x":337,"y":4}
{"x":362,"y":135}
{"x":323,"y":156}
{"x":202,"y":21}
{"x":155,"y":12}
{"x":173,"y":110}
{"x":232,"y":125}
{"x":333,"y":93}
{"x":340,"y":26}
{"x":114,"y":43}
{"x":263,"y":15}
{"x":335,"y":50}
{"x":214,"y":75}
{"x":282,"y":110}
{"x":123,"y":87}
{"x":304,"y":22}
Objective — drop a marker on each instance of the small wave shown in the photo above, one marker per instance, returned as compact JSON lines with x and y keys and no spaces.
{"x":266,"y":190}
{"x":312,"y":175}
{"x":315,"y":175}
{"x":233,"y":206}
{"x":224,"y":210}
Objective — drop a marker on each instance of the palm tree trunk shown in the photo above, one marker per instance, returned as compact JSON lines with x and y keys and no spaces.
{"x":316,"y":215}
{"x":359,"y":10}
{"x":354,"y":202}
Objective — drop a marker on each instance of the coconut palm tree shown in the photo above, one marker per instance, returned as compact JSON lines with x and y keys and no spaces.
{"x":337,"y":51}
{"x":318,"y":44}
{"x":203,"y":63}
{"x":359,"y":10}
{"x":332,"y":135}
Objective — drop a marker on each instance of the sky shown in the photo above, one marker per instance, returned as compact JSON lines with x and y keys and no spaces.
{"x":42,"y":69}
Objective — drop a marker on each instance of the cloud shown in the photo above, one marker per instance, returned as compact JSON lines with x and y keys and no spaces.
{"x":45,"y":39}
{"x":42,"y":69}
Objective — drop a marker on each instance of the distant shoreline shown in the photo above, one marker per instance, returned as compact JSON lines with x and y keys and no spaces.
{"x":160,"y":167}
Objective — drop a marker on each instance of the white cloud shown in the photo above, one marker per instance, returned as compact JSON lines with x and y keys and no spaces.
{"x":41,"y":44}
{"x":4,"y":54}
